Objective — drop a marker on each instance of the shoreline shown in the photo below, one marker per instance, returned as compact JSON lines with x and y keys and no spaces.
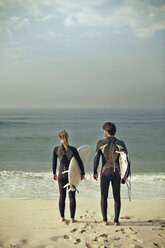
{"x":21,"y":185}
{"x":36,"y":223}
{"x":85,"y":198}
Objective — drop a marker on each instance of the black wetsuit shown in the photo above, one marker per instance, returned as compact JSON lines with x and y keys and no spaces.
{"x":65,"y":157}
{"x":110,"y":174}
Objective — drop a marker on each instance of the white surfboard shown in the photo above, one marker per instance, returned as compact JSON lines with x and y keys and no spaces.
{"x":123,"y":169}
{"x":123,"y":163}
{"x":74,"y":173}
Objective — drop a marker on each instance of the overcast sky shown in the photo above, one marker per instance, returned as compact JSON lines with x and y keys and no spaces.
{"x":82,"y":53}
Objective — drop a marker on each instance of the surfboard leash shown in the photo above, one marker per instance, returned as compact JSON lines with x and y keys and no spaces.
{"x":128,"y":183}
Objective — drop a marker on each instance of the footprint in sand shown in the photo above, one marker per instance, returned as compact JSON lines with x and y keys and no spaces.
{"x":57,"y":238}
{"x":160,"y":235}
{"x":117,"y":238}
{"x":122,"y":230}
{"x":134,"y":232}
{"x":73,"y":230}
{"x":127,"y":230}
{"x":137,"y":240}
{"x":88,"y":245}
{"x":86,"y":225}
{"x":24,"y":241}
{"x":104,"y":235}
{"x":92,"y":214}
{"x":158,"y":245}
{"x":126,"y":217}
{"x":82,"y":231}
{"x":136,"y":246}
{"x":95,"y":239}
{"x":101,"y":238}
{"x":15,"y":246}
{"x":158,"y":229}
{"x":91,"y":226}
{"x":77,"y":241}
{"x":54,"y":238}
{"x":67,"y":222}
{"x":66,"y":237}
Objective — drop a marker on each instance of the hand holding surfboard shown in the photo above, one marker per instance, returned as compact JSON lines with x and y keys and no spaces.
{"x":74,"y":173}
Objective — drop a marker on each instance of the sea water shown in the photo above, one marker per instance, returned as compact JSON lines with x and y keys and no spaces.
{"x":28,"y":136}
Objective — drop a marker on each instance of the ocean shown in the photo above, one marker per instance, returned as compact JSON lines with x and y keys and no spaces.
{"x":28,"y":136}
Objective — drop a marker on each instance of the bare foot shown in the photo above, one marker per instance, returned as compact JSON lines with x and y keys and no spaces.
{"x":62,"y":219}
{"x":116,"y":223}
{"x":105,"y":223}
{"x":73,"y":220}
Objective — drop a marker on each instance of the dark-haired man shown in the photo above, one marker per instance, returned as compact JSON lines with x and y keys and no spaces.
{"x":109,"y":149}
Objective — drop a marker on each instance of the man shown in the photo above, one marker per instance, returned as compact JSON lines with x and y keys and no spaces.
{"x":109,"y":149}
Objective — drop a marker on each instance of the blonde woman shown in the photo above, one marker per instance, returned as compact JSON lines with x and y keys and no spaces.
{"x":65,"y":152}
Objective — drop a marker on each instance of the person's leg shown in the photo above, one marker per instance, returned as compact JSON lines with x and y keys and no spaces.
{"x":72,"y":199}
{"x":62,"y":191}
{"x":116,"y":196}
{"x":104,"y":183}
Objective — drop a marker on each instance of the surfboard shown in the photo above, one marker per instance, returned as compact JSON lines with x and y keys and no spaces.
{"x":123,"y":169}
{"x":123,"y":163}
{"x":74,"y":173}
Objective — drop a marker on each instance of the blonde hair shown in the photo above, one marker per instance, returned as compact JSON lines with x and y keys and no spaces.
{"x":64,"y":136}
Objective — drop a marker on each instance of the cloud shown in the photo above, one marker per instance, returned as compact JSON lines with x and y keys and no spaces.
{"x":18,"y":22}
{"x":15,"y":50}
{"x":143,"y":32}
{"x":33,"y":7}
{"x":92,"y":34}
{"x":48,"y":18}
{"x":68,"y":21}
{"x":142,"y":18}
{"x":49,"y":35}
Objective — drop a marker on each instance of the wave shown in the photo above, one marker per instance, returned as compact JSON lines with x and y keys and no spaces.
{"x":13,"y":123}
{"x":139,"y":177}
{"x":24,"y":175}
{"x":40,"y":185}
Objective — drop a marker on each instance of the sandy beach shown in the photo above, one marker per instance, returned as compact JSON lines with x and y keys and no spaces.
{"x":36,"y":223}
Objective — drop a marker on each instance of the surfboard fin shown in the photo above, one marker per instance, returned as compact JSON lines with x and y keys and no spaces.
{"x":66,"y":185}
{"x":65,"y":172}
{"x":72,"y":187}
{"x":75,"y":188}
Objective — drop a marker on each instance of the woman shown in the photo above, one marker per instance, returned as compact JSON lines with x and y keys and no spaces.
{"x":65,"y":152}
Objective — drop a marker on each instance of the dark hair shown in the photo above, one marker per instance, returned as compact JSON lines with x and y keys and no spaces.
{"x":110,"y":127}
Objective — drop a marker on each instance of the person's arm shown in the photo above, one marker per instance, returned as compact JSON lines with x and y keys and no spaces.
{"x":96,"y":161}
{"x":54,"y":163}
{"x":79,"y":161}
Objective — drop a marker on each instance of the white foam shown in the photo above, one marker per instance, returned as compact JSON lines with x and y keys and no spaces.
{"x":30,"y":185}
